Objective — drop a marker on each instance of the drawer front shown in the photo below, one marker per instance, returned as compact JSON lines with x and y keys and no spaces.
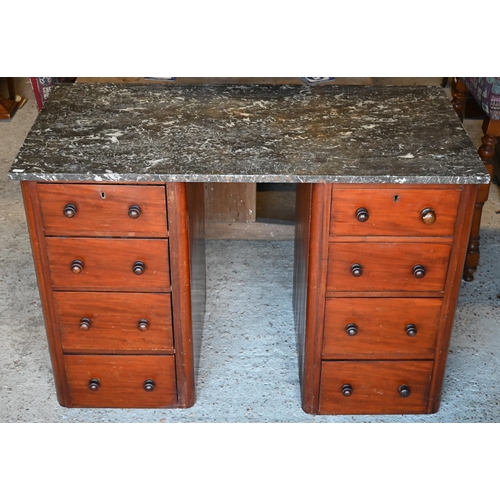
{"x":394,"y":212}
{"x":381,"y":327}
{"x":108,"y":264}
{"x":114,"y":322}
{"x":103,"y":210}
{"x":377,"y":387}
{"x":387,"y":266}
{"x":121,"y":381}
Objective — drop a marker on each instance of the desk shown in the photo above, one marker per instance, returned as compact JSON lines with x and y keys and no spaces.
{"x":113,"y":179}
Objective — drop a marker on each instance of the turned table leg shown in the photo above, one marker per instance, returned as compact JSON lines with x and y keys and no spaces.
{"x":459,"y":93}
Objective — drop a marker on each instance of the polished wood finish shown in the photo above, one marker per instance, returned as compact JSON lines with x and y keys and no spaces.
{"x":452,"y":289}
{"x":381,"y":328}
{"x":115,"y":322}
{"x":103,"y":210}
{"x":361,"y":334}
{"x":39,"y":252}
{"x":380,"y":344}
{"x":181,"y":291}
{"x":108,"y":264}
{"x":121,"y":381}
{"x":387,"y":266}
{"x":310,"y":267}
{"x":395,"y":211}
{"x":374,"y":386}
{"x":87,"y":314}
{"x":196,"y":229}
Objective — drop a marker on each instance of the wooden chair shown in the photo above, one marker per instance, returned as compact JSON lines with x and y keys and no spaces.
{"x":9,"y":106}
{"x":486,"y":91}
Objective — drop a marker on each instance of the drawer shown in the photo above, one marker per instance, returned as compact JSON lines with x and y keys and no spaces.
{"x":108,"y":264}
{"x":116,"y":322}
{"x":394,"y":212}
{"x":103,"y":210}
{"x":387,"y":266}
{"x":376,"y":386}
{"x":372,"y":327}
{"x":121,"y":381}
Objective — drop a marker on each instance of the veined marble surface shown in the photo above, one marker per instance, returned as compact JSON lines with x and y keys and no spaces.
{"x":248,"y":133}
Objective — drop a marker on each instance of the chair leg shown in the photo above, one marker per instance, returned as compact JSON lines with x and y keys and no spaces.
{"x":491,"y":129}
{"x":459,"y":93}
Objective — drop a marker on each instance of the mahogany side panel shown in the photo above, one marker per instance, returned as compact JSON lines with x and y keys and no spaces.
{"x":312,"y":252}
{"x":196,"y":219}
{"x":177,"y":209}
{"x":35,"y":229}
{"x":452,"y":290}
{"x":300,"y":272}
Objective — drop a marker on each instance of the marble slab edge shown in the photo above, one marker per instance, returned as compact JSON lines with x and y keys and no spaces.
{"x":295,"y":179}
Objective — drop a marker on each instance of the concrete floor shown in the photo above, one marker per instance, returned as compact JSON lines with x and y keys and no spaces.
{"x":248,"y":367}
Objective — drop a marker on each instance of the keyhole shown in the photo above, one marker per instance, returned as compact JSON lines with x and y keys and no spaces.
{"x":103,"y":196}
{"x":396,"y":198}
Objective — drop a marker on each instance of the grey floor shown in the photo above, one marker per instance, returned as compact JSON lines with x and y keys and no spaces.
{"x":248,"y":368}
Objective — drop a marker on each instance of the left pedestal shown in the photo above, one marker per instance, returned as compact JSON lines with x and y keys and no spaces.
{"x":121,"y":274}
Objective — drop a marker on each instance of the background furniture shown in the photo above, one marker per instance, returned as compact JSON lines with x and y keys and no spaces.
{"x":486,"y":91}
{"x":42,"y":86}
{"x":9,"y":106}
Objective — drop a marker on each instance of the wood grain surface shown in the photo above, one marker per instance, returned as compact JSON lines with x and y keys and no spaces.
{"x":114,"y":322}
{"x":121,"y":381}
{"x":375,"y":386}
{"x":108,"y":264}
{"x":381,"y":327}
{"x":387,"y":266}
{"x":102,"y":210}
{"x":394,"y":211}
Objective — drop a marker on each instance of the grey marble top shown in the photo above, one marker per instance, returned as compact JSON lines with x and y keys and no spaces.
{"x":248,"y":133}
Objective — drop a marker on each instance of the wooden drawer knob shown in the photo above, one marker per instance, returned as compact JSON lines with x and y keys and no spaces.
{"x":149,"y":385}
{"x":139,"y":267}
{"x":70,"y":210}
{"x":404,"y":391}
{"x":362,"y":214}
{"x":411,"y":330}
{"x":143,"y":325}
{"x":94,"y":384}
{"x":85,"y":324}
{"x":419,"y":271}
{"x":428,"y":216}
{"x":76,"y":266}
{"x":351,"y":329}
{"x":134,"y":211}
{"x":356,"y":270}
{"x":347,"y":390}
